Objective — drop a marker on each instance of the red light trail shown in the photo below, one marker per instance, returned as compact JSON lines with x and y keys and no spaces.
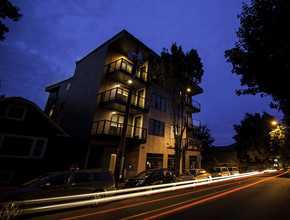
{"x":152,"y":201}
{"x":213,"y":197}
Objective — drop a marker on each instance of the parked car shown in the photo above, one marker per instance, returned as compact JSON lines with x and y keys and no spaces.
{"x":194,"y":174}
{"x":234,"y":171}
{"x":220,"y":172}
{"x":54,"y":185}
{"x":151,"y":177}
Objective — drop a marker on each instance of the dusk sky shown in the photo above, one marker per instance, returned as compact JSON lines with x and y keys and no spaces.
{"x":42,"y":48}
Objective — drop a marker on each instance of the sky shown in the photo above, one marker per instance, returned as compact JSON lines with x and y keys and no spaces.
{"x":41,"y":49}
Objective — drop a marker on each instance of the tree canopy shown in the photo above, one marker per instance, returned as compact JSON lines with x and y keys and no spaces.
{"x":205,"y":137}
{"x":252,"y":138}
{"x":10,"y":11}
{"x":177,"y":72}
{"x":261,"y":54}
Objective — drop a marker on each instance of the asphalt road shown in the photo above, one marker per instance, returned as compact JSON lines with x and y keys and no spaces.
{"x":265,"y":196}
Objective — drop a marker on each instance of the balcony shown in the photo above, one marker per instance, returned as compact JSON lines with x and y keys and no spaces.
{"x":114,"y":129}
{"x":122,"y":70}
{"x":193,"y":144}
{"x":192,"y":106}
{"x":193,"y":124}
{"x":117,"y":98}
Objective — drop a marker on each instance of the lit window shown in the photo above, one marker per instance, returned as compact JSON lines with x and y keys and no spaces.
{"x":51,"y":111}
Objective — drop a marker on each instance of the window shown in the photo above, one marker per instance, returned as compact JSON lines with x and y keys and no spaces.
{"x":61,"y":108}
{"x":178,"y":131}
{"x":156,"y":127}
{"x":82,"y":177}
{"x":68,"y":86}
{"x":6,"y":176}
{"x":51,"y":111}
{"x":154,"y":161}
{"x":15,"y":112}
{"x":22,"y":146}
{"x":60,"y":180}
{"x":193,"y":164}
{"x":170,"y":161}
{"x":102,"y":176}
{"x":158,"y":102}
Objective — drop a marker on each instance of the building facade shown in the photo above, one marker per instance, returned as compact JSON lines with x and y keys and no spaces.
{"x":91,"y":105}
{"x":31,"y":144}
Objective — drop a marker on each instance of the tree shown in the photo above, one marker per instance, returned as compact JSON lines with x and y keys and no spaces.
{"x":252,"y":138}
{"x":10,"y":11}
{"x":205,"y":137}
{"x":261,"y":54}
{"x":279,"y":144}
{"x":177,"y":72}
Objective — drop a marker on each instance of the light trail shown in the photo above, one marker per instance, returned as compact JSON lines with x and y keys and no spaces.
{"x":113,"y":195}
{"x":212,"y":197}
{"x":157,"y":200}
{"x":164,"y":188}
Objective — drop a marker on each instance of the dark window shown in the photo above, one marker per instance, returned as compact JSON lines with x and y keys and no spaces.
{"x":15,"y":112}
{"x":158,"y":102}
{"x":16,"y":146}
{"x":158,"y":173}
{"x":156,"y":127}
{"x":170,"y":161}
{"x":38,"y":149}
{"x":82,"y":177}
{"x":61,"y":108}
{"x":6,"y":176}
{"x":60,"y":180}
{"x":102,"y":176}
{"x":163,"y":104}
{"x":22,"y":146}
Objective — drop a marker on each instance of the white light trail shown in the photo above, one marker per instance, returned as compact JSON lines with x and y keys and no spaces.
{"x":130,"y":193}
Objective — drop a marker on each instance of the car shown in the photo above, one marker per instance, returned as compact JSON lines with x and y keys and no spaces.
{"x":151,"y":177}
{"x":194,"y":174}
{"x":234,"y":171}
{"x":56,"y":184}
{"x":220,"y":172}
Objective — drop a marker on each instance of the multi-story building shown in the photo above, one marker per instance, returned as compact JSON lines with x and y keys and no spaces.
{"x":92,"y":104}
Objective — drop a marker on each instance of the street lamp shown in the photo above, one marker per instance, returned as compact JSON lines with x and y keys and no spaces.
{"x":274,"y":123}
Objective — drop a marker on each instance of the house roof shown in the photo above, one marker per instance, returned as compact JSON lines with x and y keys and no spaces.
{"x":27,"y":103}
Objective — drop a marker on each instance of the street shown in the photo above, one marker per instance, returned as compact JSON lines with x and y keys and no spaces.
{"x":263,"y":196}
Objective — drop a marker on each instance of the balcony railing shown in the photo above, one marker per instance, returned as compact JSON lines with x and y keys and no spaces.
{"x":112,"y":128}
{"x":193,"y":123}
{"x":120,"y":96}
{"x":127,"y":68}
{"x":192,"y":106}
{"x":193,"y":144}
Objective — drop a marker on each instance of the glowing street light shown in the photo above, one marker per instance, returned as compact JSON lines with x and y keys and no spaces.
{"x":274,"y":122}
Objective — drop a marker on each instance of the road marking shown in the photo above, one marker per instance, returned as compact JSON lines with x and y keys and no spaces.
{"x":213,"y":197}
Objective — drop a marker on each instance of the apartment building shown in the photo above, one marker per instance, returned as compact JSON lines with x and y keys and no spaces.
{"x":91,"y":105}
